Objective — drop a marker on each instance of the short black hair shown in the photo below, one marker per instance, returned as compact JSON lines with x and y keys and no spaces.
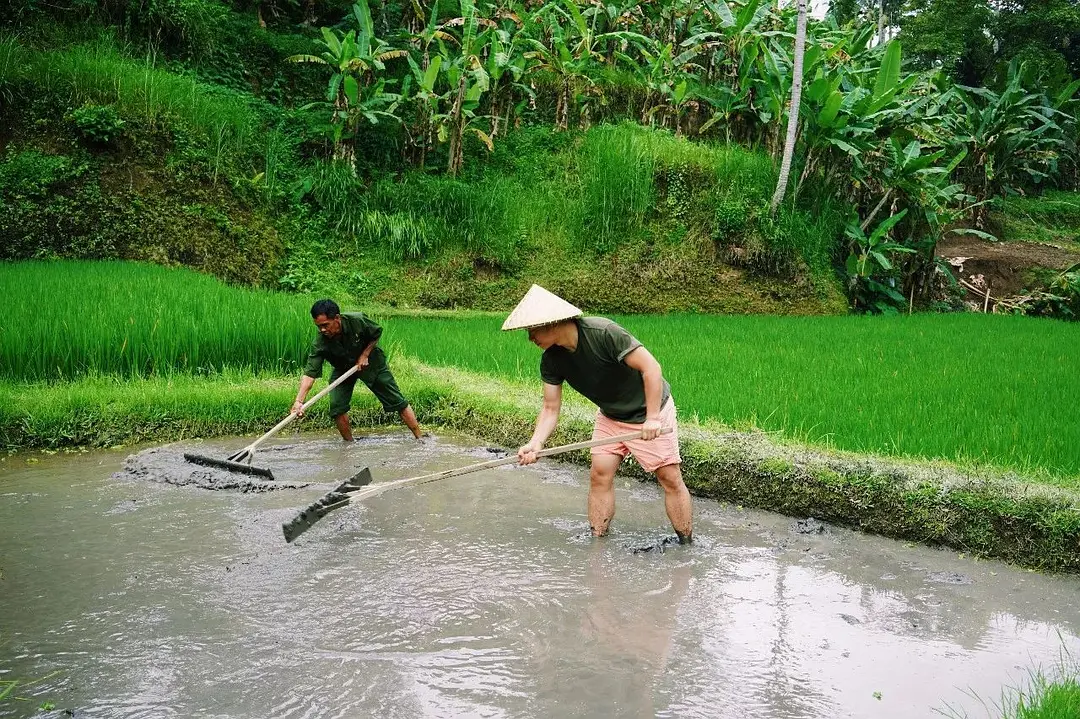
{"x":325,"y":307}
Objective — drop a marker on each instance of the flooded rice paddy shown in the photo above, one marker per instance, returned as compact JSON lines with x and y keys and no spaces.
{"x":480,"y":596}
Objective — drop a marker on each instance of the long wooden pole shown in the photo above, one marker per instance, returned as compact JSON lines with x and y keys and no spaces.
{"x":357,"y":487}
{"x":512,"y":459}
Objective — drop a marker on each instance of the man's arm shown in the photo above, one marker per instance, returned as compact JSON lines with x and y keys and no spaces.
{"x":362,"y":360}
{"x":305,"y":386}
{"x":641,"y":360}
{"x":545,"y":423}
{"x":369,"y":328}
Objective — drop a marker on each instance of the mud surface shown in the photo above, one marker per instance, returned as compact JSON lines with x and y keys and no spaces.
{"x":482,"y":595}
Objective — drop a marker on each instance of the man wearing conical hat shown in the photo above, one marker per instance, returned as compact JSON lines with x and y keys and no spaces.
{"x":607,"y":365}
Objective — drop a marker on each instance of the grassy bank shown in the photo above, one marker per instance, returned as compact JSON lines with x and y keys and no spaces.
{"x":973,"y":389}
{"x":988,"y":514}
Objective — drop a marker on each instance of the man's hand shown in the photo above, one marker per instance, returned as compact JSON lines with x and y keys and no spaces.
{"x":361,"y":362}
{"x":297,"y":408}
{"x":651,"y":429}
{"x":527,"y":454}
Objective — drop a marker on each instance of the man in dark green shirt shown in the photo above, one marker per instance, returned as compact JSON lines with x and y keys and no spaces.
{"x":344,"y":340}
{"x":610,"y":367}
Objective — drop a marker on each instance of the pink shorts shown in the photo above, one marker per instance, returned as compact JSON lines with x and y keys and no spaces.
{"x":652,"y":454}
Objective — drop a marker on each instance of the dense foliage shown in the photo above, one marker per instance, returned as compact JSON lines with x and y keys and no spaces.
{"x":341,"y":124}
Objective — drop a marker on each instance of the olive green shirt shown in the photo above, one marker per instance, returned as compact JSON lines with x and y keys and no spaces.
{"x":357,"y":332}
{"x":596,"y":369}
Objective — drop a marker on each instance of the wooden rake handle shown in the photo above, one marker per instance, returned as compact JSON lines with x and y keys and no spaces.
{"x":250,"y":449}
{"x":512,"y":459}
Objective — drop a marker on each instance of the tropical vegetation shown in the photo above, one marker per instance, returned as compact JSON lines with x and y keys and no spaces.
{"x":347,"y":113}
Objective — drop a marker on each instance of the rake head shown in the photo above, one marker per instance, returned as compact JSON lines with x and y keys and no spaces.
{"x":334,"y":499}
{"x":229,"y":464}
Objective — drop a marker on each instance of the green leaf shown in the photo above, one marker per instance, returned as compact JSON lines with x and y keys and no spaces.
{"x":889,"y":73}
{"x":852,"y":265}
{"x":817,"y":90}
{"x":1067,"y":94}
{"x":827,"y":116}
{"x":432,"y":73}
{"x":746,"y":15}
{"x":882,"y":260}
{"x":352,"y":90}
{"x":849,"y":149}
{"x":887,"y":224}
{"x":977,"y":233}
{"x":720,"y":9}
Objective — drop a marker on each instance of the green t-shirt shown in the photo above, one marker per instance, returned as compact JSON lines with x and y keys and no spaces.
{"x":596,"y":369}
{"x":357,"y":331}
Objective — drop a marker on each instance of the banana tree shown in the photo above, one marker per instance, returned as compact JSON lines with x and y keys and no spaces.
{"x":469,"y":80}
{"x":869,"y":266}
{"x":355,"y":92}
{"x":428,"y":103}
{"x":672,"y":82}
{"x":506,"y":65}
{"x":567,"y":46}
{"x":1012,"y":137}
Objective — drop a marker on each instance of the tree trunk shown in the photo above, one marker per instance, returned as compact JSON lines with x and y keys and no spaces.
{"x":457,"y":130}
{"x":793,"y":111}
{"x":881,"y":23}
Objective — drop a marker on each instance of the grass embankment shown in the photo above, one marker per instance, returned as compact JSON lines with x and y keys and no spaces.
{"x":1052,"y":218}
{"x":168,"y":168}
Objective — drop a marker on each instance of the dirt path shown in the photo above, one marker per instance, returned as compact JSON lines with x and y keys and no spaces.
{"x":1005,"y":266}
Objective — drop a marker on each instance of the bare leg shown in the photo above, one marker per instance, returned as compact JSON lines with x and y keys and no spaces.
{"x":602,"y":492}
{"x":343,"y":426}
{"x":409,"y":418}
{"x":677,"y":501}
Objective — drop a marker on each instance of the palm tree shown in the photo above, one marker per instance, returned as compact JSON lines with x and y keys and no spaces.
{"x":793,"y":111}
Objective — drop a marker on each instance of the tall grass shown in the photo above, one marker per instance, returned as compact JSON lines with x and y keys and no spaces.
{"x":997,"y":390}
{"x":99,"y":73}
{"x":1043,"y":696}
{"x":63,"y":319}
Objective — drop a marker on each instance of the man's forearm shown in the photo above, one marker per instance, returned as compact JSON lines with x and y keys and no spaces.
{"x":654,"y":392}
{"x":305,"y":387}
{"x":367,"y":350}
{"x":545,"y":425}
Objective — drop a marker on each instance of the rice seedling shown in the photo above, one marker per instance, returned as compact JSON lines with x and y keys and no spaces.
{"x":1043,"y":696}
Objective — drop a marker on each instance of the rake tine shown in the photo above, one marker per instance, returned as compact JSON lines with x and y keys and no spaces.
{"x":240,"y":456}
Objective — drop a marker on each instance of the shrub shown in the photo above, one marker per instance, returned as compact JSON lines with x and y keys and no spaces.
{"x":98,"y":124}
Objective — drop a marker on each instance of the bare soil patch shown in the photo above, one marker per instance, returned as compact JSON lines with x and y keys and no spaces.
{"x":1006,"y":267}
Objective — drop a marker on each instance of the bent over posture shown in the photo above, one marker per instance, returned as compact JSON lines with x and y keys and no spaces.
{"x":346,"y":339}
{"x":610,"y":367}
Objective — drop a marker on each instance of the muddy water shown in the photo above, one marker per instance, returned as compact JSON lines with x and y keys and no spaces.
{"x":483,"y":596}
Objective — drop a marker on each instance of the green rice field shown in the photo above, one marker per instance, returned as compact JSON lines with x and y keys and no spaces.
{"x":992,"y":389}
{"x":972,"y":388}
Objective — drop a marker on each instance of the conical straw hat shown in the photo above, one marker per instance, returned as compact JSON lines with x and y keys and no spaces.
{"x":539,"y":307}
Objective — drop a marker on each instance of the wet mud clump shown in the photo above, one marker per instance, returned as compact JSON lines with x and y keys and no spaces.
{"x":168,"y":466}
